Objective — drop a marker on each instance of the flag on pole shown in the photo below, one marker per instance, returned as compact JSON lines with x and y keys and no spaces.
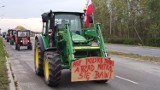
{"x":89,"y":12}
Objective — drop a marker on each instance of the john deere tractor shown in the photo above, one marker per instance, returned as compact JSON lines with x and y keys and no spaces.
{"x":65,"y":43}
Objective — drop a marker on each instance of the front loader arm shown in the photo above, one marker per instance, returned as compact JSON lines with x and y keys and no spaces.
{"x":96,"y":34}
{"x":69,"y":44}
{"x":100,"y":40}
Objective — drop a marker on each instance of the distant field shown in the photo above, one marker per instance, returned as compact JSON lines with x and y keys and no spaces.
{"x":3,"y":69}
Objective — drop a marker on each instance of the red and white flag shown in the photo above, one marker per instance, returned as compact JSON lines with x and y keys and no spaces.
{"x":89,"y":12}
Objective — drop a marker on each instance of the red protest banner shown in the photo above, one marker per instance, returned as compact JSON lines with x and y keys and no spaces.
{"x":92,"y":68}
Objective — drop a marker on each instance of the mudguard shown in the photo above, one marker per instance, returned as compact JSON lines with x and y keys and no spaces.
{"x":39,"y":38}
{"x":51,"y":49}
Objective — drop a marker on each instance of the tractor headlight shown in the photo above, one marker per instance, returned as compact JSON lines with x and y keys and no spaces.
{"x":21,"y":40}
{"x":28,"y":40}
{"x":73,"y":55}
{"x":107,"y":55}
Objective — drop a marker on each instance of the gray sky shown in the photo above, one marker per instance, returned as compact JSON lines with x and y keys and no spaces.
{"x":34,"y":8}
{"x":28,"y":12}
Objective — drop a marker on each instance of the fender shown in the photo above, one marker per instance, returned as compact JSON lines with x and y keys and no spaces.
{"x":39,"y":38}
{"x":51,"y":49}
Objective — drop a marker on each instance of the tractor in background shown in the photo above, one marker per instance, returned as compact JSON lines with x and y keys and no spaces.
{"x":22,"y":38}
{"x":65,"y":43}
{"x":4,"y":34}
{"x":11,"y":36}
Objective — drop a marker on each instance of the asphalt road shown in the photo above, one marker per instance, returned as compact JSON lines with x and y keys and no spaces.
{"x":129,"y":74}
{"x":146,"y":51}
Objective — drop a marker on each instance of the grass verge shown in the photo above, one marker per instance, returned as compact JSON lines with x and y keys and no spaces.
{"x":136,"y":56}
{"x":3,"y":69}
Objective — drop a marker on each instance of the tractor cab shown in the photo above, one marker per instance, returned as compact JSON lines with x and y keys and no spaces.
{"x":56,"y":22}
{"x":22,"y":38}
{"x":59,"y":19}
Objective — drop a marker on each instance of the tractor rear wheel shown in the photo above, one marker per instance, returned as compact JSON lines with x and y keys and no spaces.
{"x":7,"y":40}
{"x":52,"y":68}
{"x":12,"y":43}
{"x":38,"y":59}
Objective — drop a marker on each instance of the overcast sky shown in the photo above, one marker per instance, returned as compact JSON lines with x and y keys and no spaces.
{"x":34,"y":8}
{"x":16,"y":12}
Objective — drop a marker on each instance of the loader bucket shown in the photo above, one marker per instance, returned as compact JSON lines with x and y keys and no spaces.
{"x":92,"y":69}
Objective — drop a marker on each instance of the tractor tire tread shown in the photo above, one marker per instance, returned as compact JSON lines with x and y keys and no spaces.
{"x":54,"y":68}
{"x":39,"y":70}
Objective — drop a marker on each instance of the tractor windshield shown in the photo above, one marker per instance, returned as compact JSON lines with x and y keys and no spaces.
{"x":23,"y":34}
{"x":73,"y":20}
{"x":10,"y":32}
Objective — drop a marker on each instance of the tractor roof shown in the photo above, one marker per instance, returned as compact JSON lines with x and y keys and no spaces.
{"x":46,"y":15}
{"x":11,"y":30}
{"x":66,"y":12}
{"x":60,"y":12}
{"x":22,"y":30}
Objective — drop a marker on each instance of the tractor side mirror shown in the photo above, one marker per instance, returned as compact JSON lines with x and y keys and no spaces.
{"x":45,"y":17}
{"x":50,"y":13}
{"x":90,"y":19}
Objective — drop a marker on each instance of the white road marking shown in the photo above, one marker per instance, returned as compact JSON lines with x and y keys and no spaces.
{"x":127,"y":80}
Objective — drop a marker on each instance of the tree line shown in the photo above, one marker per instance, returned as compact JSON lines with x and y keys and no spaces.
{"x":129,"y":21}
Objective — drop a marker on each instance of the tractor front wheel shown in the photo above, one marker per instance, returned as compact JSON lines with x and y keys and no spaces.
{"x":7,"y":40}
{"x":18,"y":47}
{"x":29,"y":47}
{"x":38,"y":59}
{"x":15,"y":46}
{"x":52,"y":68}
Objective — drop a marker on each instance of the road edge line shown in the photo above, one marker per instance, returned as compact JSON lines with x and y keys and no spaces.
{"x":135,"y":59}
{"x":131,"y":81}
{"x":11,"y":78}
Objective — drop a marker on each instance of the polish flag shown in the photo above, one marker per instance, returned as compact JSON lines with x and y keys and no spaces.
{"x":89,"y":12}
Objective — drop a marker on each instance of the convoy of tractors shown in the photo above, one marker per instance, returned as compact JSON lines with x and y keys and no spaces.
{"x":65,"y":43}
{"x":18,"y":38}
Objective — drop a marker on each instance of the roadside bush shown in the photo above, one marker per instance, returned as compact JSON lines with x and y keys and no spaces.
{"x":3,"y":70}
{"x":129,"y":41}
{"x":153,"y":42}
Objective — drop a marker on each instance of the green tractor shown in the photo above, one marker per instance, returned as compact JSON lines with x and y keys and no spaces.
{"x":66,"y":44}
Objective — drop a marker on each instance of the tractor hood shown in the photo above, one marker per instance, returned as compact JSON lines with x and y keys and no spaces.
{"x":78,"y":38}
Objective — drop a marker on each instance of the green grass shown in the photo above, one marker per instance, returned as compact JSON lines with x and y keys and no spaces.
{"x":136,"y":56}
{"x":3,"y":70}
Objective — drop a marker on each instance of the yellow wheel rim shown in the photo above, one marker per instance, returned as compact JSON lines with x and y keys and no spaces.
{"x":46,"y":67}
{"x":37,"y":57}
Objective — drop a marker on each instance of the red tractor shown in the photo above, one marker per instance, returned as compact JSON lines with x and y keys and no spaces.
{"x":22,"y":38}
